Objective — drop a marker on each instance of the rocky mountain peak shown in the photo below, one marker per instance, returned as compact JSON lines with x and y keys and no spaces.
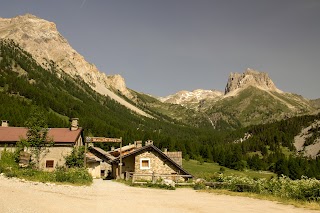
{"x":250,"y":77}
{"x":187,"y":97}
{"x":49,"y":48}
{"x":42,"y":39}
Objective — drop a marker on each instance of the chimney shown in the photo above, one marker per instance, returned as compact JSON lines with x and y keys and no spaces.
{"x":138,"y":144}
{"x":74,"y":124}
{"x":4,"y":123}
{"x":112,"y":148}
{"x":165,"y":150}
{"x":149,"y":142}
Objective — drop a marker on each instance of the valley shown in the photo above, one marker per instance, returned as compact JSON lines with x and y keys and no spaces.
{"x":203,"y":124}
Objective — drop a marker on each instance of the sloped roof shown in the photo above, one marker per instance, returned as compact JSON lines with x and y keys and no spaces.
{"x":59,"y":135}
{"x":101,"y":153}
{"x":148,"y":147}
{"x":92,"y":158}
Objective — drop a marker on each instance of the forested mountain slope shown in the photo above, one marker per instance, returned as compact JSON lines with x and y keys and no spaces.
{"x":24,"y":85}
{"x":46,"y":45}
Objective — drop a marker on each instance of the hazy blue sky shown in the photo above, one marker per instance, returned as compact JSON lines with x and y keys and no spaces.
{"x":163,"y":46}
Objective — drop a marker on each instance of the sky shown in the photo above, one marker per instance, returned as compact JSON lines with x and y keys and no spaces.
{"x":163,"y":46}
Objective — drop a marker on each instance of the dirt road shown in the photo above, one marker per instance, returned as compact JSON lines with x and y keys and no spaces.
{"x":108,"y":196}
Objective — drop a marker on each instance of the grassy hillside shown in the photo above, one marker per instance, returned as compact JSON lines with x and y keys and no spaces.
{"x":205,"y":170}
{"x":173,"y":111}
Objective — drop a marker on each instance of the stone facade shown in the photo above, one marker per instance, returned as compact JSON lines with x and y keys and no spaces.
{"x":55,"y":154}
{"x":157,"y":164}
{"x":94,"y":169}
{"x":149,"y":163}
{"x":128,"y":164}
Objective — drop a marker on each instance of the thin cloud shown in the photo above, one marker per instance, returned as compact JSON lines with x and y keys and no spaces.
{"x":83,"y":2}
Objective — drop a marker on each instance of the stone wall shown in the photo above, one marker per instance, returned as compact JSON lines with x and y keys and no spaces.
{"x":94,"y":169}
{"x":128,"y":164}
{"x":158,"y":165}
{"x":57,"y":154}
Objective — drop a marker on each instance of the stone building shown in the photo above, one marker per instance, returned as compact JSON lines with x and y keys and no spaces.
{"x":145,"y":161}
{"x":96,"y":166}
{"x":65,"y":139}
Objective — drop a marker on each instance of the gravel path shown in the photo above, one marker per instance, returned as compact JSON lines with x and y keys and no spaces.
{"x":108,"y":196}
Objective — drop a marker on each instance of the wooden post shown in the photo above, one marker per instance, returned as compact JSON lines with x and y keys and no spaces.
{"x":87,"y":140}
{"x":153,"y":178}
{"x":127,"y":175}
{"x":120,"y":164}
{"x":133,"y":178}
{"x":85,"y":159}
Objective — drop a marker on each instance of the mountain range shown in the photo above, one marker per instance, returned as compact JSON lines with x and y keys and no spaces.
{"x":249,"y":98}
{"x":251,"y":121}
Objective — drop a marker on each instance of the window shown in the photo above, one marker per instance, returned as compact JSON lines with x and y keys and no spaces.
{"x":144,"y":163}
{"x":49,"y":163}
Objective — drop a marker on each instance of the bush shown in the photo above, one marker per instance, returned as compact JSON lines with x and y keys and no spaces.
{"x":73,"y":175}
{"x":76,"y":158}
{"x":199,"y":186}
{"x":307,"y":189}
{"x":8,"y":166}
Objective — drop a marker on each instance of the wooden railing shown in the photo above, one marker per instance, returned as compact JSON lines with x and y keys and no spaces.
{"x":154,"y":177}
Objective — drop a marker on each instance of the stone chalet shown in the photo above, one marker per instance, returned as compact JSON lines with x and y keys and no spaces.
{"x":142,"y":162}
{"x":64,"y":141}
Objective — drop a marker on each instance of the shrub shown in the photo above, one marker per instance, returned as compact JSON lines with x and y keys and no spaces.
{"x":76,"y":158}
{"x":307,"y":189}
{"x":73,"y":175}
{"x":199,"y":186}
{"x":8,"y":166}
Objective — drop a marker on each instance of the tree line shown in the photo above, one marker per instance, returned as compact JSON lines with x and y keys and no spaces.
{"x":61,"y":97}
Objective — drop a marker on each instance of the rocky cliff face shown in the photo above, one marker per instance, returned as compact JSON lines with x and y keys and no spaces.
{"x":250,"y":77}
{"x":48,"y":47}
{"x":41,"y":38}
